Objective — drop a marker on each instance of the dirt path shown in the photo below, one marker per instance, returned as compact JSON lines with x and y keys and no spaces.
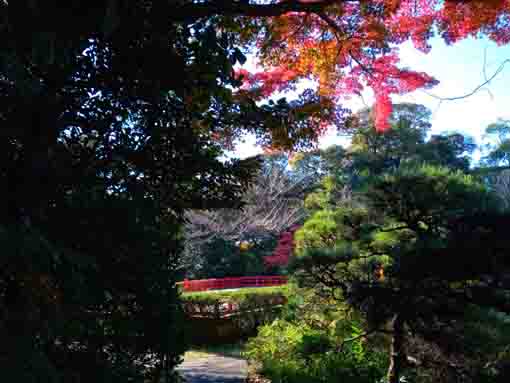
{"x":213,"y":368}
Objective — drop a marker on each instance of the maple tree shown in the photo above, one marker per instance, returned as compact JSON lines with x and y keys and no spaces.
{"x":347,"y":46}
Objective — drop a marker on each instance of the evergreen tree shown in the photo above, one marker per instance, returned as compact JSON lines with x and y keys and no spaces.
{"x":428,"y":244}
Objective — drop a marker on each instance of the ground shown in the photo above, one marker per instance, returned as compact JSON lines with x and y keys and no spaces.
{"x":202,"y":367}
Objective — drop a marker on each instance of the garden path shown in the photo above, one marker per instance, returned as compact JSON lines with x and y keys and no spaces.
{"x":212,"y":368}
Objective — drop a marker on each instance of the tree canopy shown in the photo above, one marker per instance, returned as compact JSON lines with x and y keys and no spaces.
{"x":414,"y":242}
{"x":346,"y":46}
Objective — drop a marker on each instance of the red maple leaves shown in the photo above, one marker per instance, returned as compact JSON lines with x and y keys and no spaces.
{"x":351,"y":46}
{"x":264,"y":84}
{"x":386,"y":78}
{"x":283,"y":250}
{"x":460,"y":19}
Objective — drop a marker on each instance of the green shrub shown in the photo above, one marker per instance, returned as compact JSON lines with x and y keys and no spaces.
{"x":224,"y":316}
{"x":296,"y":353}
{"x":242,"y":300}
{"x":235,"y":295}
{"x":314,"y":343}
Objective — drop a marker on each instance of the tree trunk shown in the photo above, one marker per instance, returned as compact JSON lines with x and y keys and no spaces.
{"x":397,"y":355}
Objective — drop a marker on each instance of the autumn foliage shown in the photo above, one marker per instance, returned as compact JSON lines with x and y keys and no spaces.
{"x":347,"y":46}
{"x":283,"y":250}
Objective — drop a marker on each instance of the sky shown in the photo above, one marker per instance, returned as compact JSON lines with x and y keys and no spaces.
{"x":459,"y":69}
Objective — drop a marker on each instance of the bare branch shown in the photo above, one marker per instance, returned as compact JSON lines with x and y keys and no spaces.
{"x":272,"y":205}
{"x":474,"y":91}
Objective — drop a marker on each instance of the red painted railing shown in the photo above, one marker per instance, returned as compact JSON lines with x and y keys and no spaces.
{"x":232,"y":283}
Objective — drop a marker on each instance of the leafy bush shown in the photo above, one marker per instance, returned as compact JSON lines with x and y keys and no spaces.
{"x":225,"y":316}
{"x":240,"y":296}
{"x":477,"y":350}
{"x":212,"y":304}
{"x":295,"y":352}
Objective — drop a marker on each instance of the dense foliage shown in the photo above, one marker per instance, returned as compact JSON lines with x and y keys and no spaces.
{"x":100,"y":155}
{"x":342,"y":173}
{"x":413,"y":248}
{"x":219,"y":317}
{"x":346,"y":46}
{"x":296,"y":353}
{"x":307,"y":345}
{"x":235,"y":295}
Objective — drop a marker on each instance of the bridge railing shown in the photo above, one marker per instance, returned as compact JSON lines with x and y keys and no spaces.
{"x":232,"y":283}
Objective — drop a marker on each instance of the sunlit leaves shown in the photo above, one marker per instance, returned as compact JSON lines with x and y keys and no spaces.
{"x":349,"y":46}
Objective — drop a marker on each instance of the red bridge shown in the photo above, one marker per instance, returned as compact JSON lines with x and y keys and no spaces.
{"x":232,"y":283}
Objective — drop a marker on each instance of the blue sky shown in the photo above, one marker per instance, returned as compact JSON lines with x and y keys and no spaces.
{"x":460,"y":69}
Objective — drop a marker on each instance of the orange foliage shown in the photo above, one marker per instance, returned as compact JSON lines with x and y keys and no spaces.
{"x":379,"y":274}
{"x":352,"y":45}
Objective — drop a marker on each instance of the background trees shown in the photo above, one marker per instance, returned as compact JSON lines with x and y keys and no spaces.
{"x":412,"y":248}
{"x":499,"y":148}
{"x":500,"y":183}
{"x":402,"y":240}
{"x":410,"y":256}
{"x":271,"y":205}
